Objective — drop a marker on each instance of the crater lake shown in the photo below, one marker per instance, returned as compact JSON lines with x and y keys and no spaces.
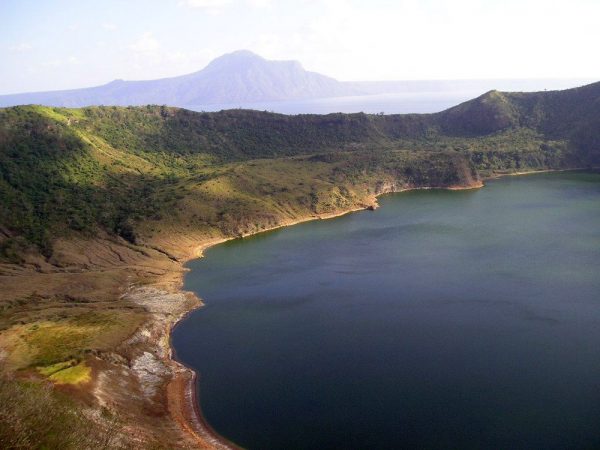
{"x":444,"y":319}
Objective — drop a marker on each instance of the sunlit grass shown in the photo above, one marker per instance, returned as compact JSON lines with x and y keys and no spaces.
{"x":53,"y":368}
{"x":49,"y":343}
{"x":67,"y":372}
{"x":72,"y":375}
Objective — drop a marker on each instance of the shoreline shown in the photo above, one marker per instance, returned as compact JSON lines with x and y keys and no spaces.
{"x":182,"y":391}
{"x":196,"y":423}
{"x":534,"y":172}
{"x":185,"y":387}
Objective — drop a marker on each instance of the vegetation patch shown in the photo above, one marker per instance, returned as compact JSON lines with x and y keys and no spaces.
{"x":35,"y":416}
{"x":53,"y":368}
{"x":49,"y":344}
{"x":80,"y":373}
{"x":67,"y":372}
{"x":66,"y":171}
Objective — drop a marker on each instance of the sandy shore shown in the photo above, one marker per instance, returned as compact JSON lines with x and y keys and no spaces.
{"x":182,"y":401}
{"x":533,"y":172}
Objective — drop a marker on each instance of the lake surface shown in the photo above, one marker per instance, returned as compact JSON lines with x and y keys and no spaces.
{"x":393,"y":103}
{"x":461,"y":320}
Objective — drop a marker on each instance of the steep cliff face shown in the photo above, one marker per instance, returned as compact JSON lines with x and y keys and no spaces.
{"x":433,"y":170}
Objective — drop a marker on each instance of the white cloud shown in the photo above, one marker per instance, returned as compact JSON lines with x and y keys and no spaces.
{"x":345,"y":39}
{"x":410,"y":39}
{"x":205,"y":4}
{"x":149,"y":58}
{"x":146,"y":43}
{"x":216,"y":6}
{"x":259,"y":3}
{"x":20,"y":48}
{"x":52,"y":63}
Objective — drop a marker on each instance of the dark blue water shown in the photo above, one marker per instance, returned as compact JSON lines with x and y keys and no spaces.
{"x":461,"y":320}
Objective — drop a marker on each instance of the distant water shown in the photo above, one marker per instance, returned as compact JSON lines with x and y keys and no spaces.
{"x":405,"y":97}
{"x":443,"y":320}
{"x":398,"y":103}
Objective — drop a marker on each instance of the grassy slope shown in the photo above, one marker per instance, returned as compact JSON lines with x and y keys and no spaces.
{"x":133,"y":170}
{"x":33,"y":416}
{"x":86,"y":192}
{"x":65,"y":171}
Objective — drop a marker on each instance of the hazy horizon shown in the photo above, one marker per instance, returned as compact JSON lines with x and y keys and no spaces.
{"x":527,"y":83}
{"x":57,"y":45}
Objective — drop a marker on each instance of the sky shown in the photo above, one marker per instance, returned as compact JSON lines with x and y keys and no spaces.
{"x":60,"y":44}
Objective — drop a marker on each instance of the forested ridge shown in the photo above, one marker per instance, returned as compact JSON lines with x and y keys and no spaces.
{"x":120,"y":169}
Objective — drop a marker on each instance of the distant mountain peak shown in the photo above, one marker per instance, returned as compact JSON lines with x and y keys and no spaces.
{"x":115,"y":82}
{"x":237,"y":60}
{"x":242,"y":53}
{"x":238,"y":77}
{"x":238,"y":55}
{"x":244,"y":59}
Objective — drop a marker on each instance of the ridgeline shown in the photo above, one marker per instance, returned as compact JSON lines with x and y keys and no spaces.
{"x":78,"y":170}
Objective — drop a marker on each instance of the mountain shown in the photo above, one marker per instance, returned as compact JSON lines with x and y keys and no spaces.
{"x":59,"y":166}
{"x":572,"y":115}
{"x":244,"y":79}
{"x":237,"y":77}
{"x":98,"y":203}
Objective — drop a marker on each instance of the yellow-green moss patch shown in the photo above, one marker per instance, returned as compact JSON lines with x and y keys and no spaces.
{"x":72,"y":375}
{"x":53,"y":368}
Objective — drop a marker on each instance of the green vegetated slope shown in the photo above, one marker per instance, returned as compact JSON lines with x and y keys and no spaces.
{"x":139,"y":172}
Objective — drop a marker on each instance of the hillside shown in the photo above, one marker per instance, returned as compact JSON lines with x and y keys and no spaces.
{"x":86,"y":158}
{"x":101,"y":206}
{"x":236,"y":77}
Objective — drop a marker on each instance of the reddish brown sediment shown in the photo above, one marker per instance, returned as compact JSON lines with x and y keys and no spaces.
{"x":183,"y":407}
